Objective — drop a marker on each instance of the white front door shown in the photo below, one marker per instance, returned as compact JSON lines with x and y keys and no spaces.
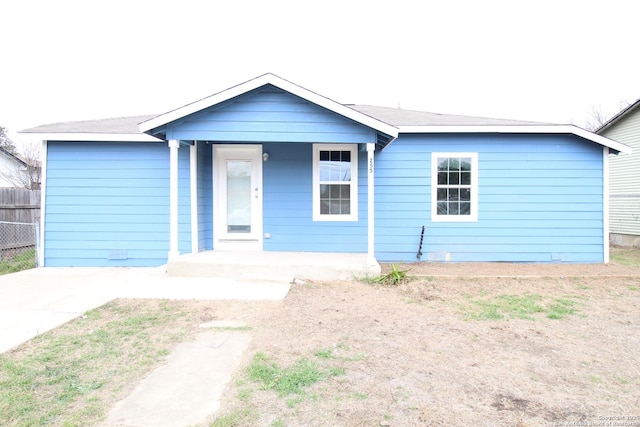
{"x":238,"y":197}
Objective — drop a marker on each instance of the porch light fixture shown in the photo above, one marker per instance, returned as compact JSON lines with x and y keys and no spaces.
{"x":265,"y":156}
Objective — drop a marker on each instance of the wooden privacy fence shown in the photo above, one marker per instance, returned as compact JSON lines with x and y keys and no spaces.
{"x":19,"y":205}
{"x":19,"y":216}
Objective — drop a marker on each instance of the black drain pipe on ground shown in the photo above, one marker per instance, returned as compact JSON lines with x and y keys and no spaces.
{"x":419,"y":254}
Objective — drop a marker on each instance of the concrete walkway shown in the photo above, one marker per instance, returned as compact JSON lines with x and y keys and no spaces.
{"x":186,"y":390}
{"x":35,"y":301}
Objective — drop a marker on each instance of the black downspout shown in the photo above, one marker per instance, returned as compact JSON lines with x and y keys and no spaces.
{"x":419,"y":254}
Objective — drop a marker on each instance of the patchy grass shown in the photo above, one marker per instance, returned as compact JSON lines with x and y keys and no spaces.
{"x":72,"y":375}
{"x":503,"y":307}
{"x":624,"y":256}
{"x":23,"y":261}
{"x":287,"y":380}
{"x":290,"y":384}
{"x":561,"y":308}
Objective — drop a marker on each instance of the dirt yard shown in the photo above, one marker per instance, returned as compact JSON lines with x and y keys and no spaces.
{"x":435,"y":351}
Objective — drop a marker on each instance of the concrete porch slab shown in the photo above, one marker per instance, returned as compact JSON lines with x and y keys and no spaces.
{"x":273,"y":266}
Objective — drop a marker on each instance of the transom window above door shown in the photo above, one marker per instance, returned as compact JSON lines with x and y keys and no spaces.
{"x":335,"y":182}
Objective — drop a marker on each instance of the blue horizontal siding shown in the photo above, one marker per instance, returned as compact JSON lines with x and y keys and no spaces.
{"x":287,"y":205}
{"x":87,"y":191}
{"x":269,"y":115}
{"x":106,"y":198}
{"x":205,"y":197}
{"x":540,"y":200}
{"x":107,"y":173}
{"x":529,"y":256}
{"x":540,"y":197}
{"x":96,"y":258}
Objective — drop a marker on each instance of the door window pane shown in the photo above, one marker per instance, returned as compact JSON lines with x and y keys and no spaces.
{"x":238,"y":196}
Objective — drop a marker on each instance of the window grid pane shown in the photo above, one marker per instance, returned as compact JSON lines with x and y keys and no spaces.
{"x":335,"y":199}
{"x":454,"y":186}
{"x":335,"y":178}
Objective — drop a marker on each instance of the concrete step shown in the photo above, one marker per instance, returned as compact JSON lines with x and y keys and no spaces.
{"x":273,"y":266}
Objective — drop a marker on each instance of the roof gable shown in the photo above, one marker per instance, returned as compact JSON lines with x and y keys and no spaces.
{"x":273,"y":80}
{"x":267,"y":114}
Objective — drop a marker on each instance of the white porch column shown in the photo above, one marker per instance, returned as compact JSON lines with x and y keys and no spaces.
{"x":371,"y":259}
{"x":43,"y":198}
{"x":193,"y":181}
{"x":174,"y":144}
{"x":605,"y":203}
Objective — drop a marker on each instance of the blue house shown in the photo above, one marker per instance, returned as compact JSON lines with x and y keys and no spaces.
{"x":268,"y":165}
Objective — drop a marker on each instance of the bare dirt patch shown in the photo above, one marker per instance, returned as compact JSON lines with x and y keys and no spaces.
{"x":414,"y":355}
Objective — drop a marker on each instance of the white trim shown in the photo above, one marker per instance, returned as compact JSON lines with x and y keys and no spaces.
{"x":353,"y":184}
{"x":174,"y":145}
{"x":371,"y":257}
{"x":549,"y":129}
{"x":605,"y":203}
{"x":280,"y":83}
{"x":43,"y":198}
{"x":473,"y":217}
{"x":95,"y":137}
{"x":193,"y":182}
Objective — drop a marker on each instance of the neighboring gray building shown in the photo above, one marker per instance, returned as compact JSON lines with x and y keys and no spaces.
{"x":624,"y":173}
{"x":11,"y":168}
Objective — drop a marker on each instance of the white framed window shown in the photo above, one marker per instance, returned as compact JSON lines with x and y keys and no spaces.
{"x":454,"y":187}
{"x":335,"y":182}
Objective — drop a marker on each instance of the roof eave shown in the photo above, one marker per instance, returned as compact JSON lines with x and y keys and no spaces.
{"x":280,"y":83}
{"x":562,"y":129}
{"x":96,"y":137}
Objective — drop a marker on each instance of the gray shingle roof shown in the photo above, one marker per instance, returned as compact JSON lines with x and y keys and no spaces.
{"x":118,"y":125}
{"x":400,"y":117}
{"x":391,"y":116}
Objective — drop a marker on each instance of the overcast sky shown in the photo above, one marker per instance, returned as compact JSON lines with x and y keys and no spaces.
{"x":544,"y":60}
